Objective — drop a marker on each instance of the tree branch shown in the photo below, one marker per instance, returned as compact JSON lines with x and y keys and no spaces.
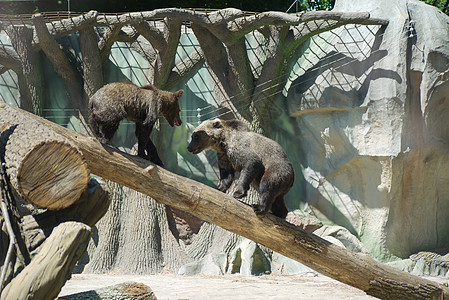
{"x":192,"y":64}
{"x":244,"y":25}
{"x":216,"y":17}
{"x":10,"y":59}
{"x":66,"y":26}
{"x":51,"y":48}
{"x":153,"y":34}
{"x":107,"y":40}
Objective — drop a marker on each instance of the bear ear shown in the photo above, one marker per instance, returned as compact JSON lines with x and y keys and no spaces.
{"x":216,"y":123}
{"x":179,"y":94}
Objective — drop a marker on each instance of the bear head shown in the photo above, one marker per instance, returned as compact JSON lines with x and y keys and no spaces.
{"x":170,"y":107}
{"x":206,"y":136}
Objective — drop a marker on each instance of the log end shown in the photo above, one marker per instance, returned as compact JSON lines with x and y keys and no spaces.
{"x":53,"y":175}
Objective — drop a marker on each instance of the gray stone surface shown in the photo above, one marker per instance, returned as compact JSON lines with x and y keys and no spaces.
{"x":211,"y":264}
{"x":372,"y":106}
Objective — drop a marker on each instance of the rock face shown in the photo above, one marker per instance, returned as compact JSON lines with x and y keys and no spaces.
{"x":371,"y":103}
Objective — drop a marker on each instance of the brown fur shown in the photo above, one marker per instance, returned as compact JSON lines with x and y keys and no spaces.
{"x":259,"y":160}
{"x":117,"y":101}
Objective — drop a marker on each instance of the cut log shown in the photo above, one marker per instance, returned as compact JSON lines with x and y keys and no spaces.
{"x":209,"y":204}
{"x":92,"y":206}
{"x":126,"y":290}
{"x":45,"y":168}
{"x":48,"y":271}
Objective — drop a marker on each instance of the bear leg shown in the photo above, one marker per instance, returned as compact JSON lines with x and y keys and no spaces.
{"x":279,"y":208}
{"x":145,"y":147}
{"x":152,"y":153}
{"x":226,"y":172}
{"x":95,"y":127}
{"x":226,"y":179}
{"x":142,"y":136}
{"x":265,"y":201}
{"x":250,"y":172}
{"x":108,"y":131}
{"x":271,"y":195}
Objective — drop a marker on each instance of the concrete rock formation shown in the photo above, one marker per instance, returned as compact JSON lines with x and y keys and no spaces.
{"x":371,"y":103}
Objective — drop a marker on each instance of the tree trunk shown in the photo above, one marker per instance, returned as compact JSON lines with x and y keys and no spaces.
{"x":30,"y":78}
{"x":60,"y":62}
{"x":44,"y":167}
{"x":93,"y":70}
{"x":206,"y":203}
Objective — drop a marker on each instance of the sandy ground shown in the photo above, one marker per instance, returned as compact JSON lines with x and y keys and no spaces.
{"x":174,"y":287}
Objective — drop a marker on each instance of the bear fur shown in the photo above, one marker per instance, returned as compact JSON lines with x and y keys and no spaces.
{"x":117,"y":101}
{"x":260,"y":161}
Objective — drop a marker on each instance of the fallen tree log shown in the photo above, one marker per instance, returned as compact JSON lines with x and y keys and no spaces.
{"x":206,"y":203}
{"x":59,"y":253}
{"x":31,"y":231}
{"x":45,"y":168}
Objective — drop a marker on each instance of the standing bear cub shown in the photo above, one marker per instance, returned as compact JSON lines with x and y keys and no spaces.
{"x":142,"y":105}
{"x":259,"y":160}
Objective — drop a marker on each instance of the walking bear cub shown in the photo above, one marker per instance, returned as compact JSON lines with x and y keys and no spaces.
{"x":259,"y":160}
{"x":142,"y":105}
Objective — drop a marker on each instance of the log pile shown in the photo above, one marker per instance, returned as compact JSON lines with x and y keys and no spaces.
{"x":208,"y":204}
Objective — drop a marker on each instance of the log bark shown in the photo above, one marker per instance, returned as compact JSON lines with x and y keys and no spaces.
{"x":126,"y":290}
{"x":59,"y":254}
{"x":92,"y":205}
{"x":33,"y":230}
{"x":206,"y":203}
{"x":45,"y":168}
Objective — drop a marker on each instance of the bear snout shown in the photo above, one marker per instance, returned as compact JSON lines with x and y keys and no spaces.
{"x":192,"y":149}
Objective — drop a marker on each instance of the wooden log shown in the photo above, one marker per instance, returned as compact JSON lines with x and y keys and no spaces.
{"x":124,"y":291}
{"x":206,"y":203}
{"x":45,"y":168}
{"x":48,"y":271}
{"x":92,"y":206}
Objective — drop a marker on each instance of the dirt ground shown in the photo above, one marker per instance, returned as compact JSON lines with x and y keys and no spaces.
{"x":174,"y":287}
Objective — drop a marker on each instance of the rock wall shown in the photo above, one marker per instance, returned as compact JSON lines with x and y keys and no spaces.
{"x":371,"y":104}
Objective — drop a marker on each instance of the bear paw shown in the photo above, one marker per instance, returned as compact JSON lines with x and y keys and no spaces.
{"x":222,"y":188}
{"x":259,"y":209}
{"x":238,"y":194}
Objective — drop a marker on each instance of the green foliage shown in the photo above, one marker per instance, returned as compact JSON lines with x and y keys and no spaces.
{"x":442,"y":5}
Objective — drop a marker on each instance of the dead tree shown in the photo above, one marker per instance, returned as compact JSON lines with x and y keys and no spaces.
{"x":208,"y":204}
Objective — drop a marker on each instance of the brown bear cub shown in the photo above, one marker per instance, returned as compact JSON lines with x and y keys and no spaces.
{"x":142,"y":105}
{"x":259,"y":160}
